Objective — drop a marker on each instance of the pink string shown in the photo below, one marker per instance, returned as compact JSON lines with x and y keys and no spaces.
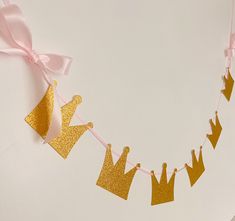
{"x":104,"y":143}
{"x":231,"y":22}
{"x":100,"y":139}
{"x":230,"y":44}
{"x":146,"y":171}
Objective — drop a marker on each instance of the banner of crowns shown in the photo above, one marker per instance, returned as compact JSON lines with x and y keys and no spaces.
{"x":113,"y":176}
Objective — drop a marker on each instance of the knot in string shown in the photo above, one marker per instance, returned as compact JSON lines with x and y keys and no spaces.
{"x":33,"y":57}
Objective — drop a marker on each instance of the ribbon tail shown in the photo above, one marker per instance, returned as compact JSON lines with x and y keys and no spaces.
{"x":54,"y":63}
{"x":13,"y":51}
{"x":13,"y":27}
{"x":56,"y":122}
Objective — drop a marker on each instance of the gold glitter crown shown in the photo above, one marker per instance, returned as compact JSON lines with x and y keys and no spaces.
{"x":228,"y":85}
{"x":197,"y":168}
{"x":163,"y":191}
{"x":39,"y":119}
{"x":113,"y":177}
{"x":216,"y":129}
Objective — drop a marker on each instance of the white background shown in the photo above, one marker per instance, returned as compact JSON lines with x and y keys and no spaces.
{"x":149,"y":73}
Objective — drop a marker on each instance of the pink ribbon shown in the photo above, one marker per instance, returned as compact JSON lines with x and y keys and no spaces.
{"x":230,"y":51}
{"x":17,"y":35}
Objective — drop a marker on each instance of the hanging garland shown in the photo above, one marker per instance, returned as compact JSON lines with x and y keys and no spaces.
{"x":52,"y":122}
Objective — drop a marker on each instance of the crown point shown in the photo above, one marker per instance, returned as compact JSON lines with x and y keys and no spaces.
{"x":126,"y":149}
{"x":152,"y":172}
{"x":193,"y":151}
{"x":175,"y":170}
{"x":201,"y":147}
{"x":109,"y":146}
{"x":55,"y":83}
{"x":90,"y":125}
{"x":138,"y":165}
{"x":216,"y":112}
{"x":77,"y":99}
{"x":185,"y":165}
{"x":164,"y":165}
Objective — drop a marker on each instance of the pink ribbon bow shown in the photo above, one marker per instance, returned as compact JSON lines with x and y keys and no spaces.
{"x":17,"y":35}
{"x":230,"y":51}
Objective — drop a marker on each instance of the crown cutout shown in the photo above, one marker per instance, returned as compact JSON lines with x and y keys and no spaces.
{"x":216,"y":131}
{"x":228,"y":84}
{"x":163,"y":191}
{"x":113,"y":177}
{"x":39,"y":119}
{"x":197,"y":168}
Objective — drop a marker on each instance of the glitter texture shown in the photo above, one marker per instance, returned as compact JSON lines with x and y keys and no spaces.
{"x":163,"y":192}
{"x":39,"y":119}
{"x":113,"y":178}
{"x":197,"y":168}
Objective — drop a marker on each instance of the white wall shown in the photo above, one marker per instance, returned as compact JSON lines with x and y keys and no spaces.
{"x":149,"y":73}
